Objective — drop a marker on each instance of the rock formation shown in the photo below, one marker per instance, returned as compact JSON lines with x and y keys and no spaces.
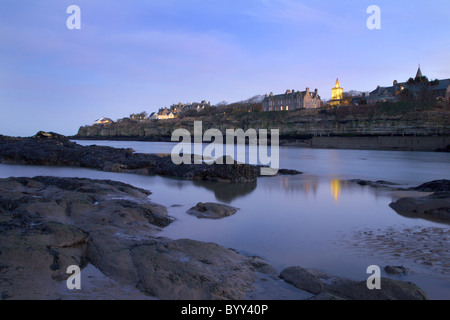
{"x":212,"y":211}
{"x":54,"y":149}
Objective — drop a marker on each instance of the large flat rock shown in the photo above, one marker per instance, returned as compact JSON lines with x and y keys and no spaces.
{"x":435,"y":207}
{"x":329,"y":287}
{"x":48,"y":224}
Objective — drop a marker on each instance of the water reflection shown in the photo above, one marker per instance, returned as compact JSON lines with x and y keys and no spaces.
{"x":227,"y":192}
{"x":308,"y":186}
{"x":223,"y":192}
{"x":336,"y":186}
{"x":424,"y":216}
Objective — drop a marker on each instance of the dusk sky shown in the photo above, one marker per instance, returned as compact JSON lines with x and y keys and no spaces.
{"x":140,"y":55}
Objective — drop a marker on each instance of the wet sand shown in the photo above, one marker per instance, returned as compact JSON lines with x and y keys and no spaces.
{"x":417,"y":248}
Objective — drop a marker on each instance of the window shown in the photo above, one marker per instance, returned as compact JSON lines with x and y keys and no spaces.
{"x":287,"y":108}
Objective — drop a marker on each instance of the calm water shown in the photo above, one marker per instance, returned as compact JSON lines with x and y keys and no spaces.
{"x":292,"y":220}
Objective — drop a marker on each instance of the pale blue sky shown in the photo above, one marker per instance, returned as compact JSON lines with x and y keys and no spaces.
{"x":131,"y":56}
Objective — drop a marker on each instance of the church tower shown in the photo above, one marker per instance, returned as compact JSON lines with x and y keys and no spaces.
{"x":337,"y":94}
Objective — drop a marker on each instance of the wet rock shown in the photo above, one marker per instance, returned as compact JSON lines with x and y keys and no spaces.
{"x":329,"y":287}
{"x":326,"y":296}
{"x":187,"y":269}
{"x":302,"y":279}
{"x":176,"y":269}
{"x":374,"y":184}
{"x":397,"y":270}
{"x":435,"y":207}
{"x":46,"y":224}
{"x":434,"y":186}
{"x":390,"y":290}
{"x":212,"y":211}
{"x":33,"y":260}
{"x":54,"y":149}
{"x":52,"y":223}
{"x":289,"y":172}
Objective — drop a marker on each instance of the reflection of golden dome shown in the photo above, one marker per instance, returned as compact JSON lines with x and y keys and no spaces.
{"x":336,"y":186}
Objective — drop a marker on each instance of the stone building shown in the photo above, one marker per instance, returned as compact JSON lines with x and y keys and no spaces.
{"x":165,"y":114}
{"x":291,"y":100}
{"x":415,"y":87}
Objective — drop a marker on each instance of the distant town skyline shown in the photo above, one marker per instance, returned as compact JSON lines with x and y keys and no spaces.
{"x":141,"y":55}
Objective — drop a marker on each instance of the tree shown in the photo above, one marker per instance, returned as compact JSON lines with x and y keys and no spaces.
{"x":421,"y":80}
{"x":222,"y":104}
{"x":434,"y":82}
{"x":139,"y":116}
{"x":405,"y":94}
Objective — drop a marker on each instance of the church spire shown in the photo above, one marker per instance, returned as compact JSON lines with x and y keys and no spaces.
{"x":337,"y":85}
{"x":419,"y":73}
{"x":336,"y":94}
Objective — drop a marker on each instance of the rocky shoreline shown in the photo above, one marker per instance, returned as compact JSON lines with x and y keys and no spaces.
{"x":51,"y":149}
{"x":111,"y":229}
{"x":430,"y":201}
{"x":48,"y":224}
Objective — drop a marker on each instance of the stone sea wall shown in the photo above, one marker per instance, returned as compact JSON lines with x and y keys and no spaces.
{"x":406,"y":143}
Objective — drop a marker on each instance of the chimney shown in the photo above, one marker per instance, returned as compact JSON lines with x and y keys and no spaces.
{"x":307,"y":90}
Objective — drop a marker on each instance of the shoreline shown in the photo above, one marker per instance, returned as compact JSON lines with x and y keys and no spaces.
{"x":124,"y":246}
{"x":104,"y":235}
{"x":381,"y":142}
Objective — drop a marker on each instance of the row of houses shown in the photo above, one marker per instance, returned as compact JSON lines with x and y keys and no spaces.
{"x":177,"y":109}
{"x":418,"y":87}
